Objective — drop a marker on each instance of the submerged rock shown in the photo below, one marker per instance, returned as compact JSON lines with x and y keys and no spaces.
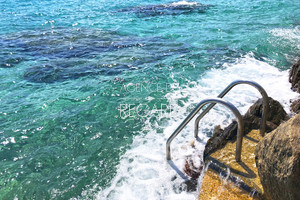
{"x":9,"y":61}
{"x":177,"y":8}
{"x":252,"y":120}
{"x":277,"y":158}
{"x":62,"y":54}
{"x":294,"y":77}
{"x":67,"y":71}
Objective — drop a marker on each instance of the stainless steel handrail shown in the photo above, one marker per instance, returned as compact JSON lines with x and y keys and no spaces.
{"x":196,"y":110}
{"x":225,"y":91}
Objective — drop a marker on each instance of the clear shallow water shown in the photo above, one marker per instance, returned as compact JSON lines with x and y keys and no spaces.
{"x":70,"y":69}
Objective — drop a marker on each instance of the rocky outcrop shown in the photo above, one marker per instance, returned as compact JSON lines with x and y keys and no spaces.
{"x":277,"y":158}
{"x":294,"y":77}
{"x":252,"y":120}
{"x":295,"y":106}
{"x":220,"y":138}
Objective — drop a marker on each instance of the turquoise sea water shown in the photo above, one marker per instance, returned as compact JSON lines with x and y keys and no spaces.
{"x":81,"y":80}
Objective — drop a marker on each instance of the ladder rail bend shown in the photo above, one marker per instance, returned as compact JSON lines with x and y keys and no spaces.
{"x":225,"y":91}
{"x":196,"y":110}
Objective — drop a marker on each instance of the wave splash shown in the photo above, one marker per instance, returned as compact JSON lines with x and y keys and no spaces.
{"x":143,"y":172}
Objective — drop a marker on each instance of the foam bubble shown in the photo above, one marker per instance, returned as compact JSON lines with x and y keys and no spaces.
{"x":290,"y":34}
{"x":143,"y":172}
{"x":184,"y":3}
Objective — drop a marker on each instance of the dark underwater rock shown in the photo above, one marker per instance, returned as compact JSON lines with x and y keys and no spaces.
{"x":10,"y":54}
{"x":50,"y":74}
{"x":65,"y":54}
{"x":252,"y":120}
{"x":277,"y":158}
{"x":62,"y":72}
{"x":67,"y":43}
{"x":9,"y":61}
{"x":82,"y":43}
{"x":166,"y":9}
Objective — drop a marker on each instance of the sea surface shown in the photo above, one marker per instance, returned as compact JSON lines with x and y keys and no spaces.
{"x":91,"y":90}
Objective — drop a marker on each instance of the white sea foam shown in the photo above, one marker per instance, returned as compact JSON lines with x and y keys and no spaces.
{"x":292,"y":35}
{"x":143,"y":172}
{"x":8,"y":140}
{"x":184,"y":3}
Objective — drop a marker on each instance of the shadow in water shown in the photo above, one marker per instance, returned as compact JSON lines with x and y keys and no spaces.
{"x":249,"y":174}
{"x":251,"y":139}
{"x":180,"y":173}
{"x":223,"y":171}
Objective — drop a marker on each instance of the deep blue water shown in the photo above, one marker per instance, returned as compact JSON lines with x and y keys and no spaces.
{"x":66,"y":68}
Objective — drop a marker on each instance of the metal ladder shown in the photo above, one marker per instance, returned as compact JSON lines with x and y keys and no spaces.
{"x":229,"y":105}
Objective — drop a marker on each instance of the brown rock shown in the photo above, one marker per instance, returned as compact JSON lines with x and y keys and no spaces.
{"x":191,"y":170}
{"x":252,"y":120}
{"x":294,"y":77}
{"x":277,"y":158}
{"x":295,"y":107}
{"x":276,"y":113}
{"x":220,"y":138}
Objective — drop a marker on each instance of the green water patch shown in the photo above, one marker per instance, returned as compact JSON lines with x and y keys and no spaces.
{"x":60,"y":139}
{"x":68,"y":145}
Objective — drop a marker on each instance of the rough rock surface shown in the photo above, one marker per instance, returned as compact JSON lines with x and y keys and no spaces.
{"x":277,"y":158}
{"x":295,"y":106}
{"x":252,"y":120}
{"x":294,"y":77}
